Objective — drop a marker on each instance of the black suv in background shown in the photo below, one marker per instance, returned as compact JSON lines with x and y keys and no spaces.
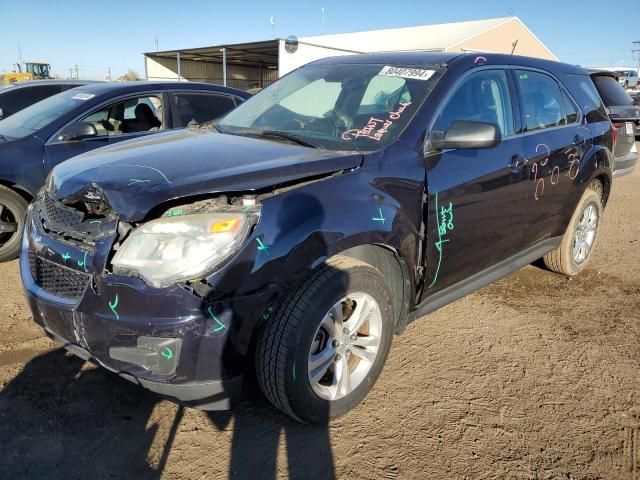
{"x":49,"y":132}
{"x":16,"y":96}
{"x":294,"y":237}
{"x":625,"y":115}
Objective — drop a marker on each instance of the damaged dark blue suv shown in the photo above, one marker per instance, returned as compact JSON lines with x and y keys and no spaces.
{"x":297,"y":235}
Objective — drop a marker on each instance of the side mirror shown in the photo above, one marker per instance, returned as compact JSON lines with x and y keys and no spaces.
{"x":464,"y":134}
{"x":77,"y":131}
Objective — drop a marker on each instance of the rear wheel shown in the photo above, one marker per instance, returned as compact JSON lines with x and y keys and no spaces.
{"x":326,"y":346}
{"x":578,"y":242}
{"x":13,"y":209}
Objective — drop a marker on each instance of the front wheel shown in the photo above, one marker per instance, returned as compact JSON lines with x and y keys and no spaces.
{"x":13,"y":209}
{"x":322,"y":352}
{"x":575,"y":250}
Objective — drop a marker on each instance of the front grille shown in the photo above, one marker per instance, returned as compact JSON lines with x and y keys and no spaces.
{"x":69,"y":222}
{"x":60,"y":215}
{"x":56,"y":279}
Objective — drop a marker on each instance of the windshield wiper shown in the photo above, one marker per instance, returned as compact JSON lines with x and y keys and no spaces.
{"x":287,"y":136}
{"x":210,"y":125}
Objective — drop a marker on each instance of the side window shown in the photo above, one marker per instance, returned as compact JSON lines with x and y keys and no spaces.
{"x":384,"y":94}
{"x":570,"y":108}
{"x":482,"y":97}
{"x":134,"y":115}
{"x":314,"y":99}
{"x":200,"y":107}
{"x":541,"y":100}
{"x":593,"y":107}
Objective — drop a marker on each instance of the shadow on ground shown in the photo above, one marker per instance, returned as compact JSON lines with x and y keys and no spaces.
{"x":62,"y":418}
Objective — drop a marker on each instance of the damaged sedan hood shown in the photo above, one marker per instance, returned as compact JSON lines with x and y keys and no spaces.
{"x":135,"y":176}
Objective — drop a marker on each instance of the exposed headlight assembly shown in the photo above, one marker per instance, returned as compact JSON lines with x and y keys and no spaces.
{"x":172,"y":249}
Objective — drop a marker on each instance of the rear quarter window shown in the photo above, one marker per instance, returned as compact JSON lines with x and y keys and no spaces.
{"x":612,"y":93}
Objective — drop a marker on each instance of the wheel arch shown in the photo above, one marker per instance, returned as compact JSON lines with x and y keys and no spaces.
{"x":23,"y":192}
{"x":391,"y":265}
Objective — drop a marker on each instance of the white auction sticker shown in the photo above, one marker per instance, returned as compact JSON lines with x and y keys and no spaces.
{"x":404,"y":72}
{"x":629,"y":128}
{"x":83,"y":96}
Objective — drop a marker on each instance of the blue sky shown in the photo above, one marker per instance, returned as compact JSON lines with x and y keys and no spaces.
{"x":114,"y":33}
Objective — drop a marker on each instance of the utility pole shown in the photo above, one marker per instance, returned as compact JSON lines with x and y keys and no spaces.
{"x":77,"y":74}
{"x":109,"y":73}
{"x":20,"y":56}
{"x":156,"y":40}
{"x":636,"y":53}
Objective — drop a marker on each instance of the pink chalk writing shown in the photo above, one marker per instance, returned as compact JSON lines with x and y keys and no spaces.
{"x":376,"y":128}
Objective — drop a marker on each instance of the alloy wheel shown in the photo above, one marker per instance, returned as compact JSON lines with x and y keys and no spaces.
{"x":8,"y":224}
{"x":345,"y":346}
{"x":585,"y":234}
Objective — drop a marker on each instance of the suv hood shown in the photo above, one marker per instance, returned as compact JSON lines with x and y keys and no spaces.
{"x":135,"y":176}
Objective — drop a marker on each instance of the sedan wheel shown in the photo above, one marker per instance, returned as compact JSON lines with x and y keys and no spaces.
{"x":345,"y":346}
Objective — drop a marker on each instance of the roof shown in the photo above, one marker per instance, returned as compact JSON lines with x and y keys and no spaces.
{"x":422,"y":37}
{"x":442,"y":58}
{"x":399,"y":58}
{"x":33,"y":83}
{"x":102,"y":88}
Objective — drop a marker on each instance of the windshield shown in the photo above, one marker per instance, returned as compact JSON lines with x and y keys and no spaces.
{"x":39,"y":115}
{"x":338,"y":107}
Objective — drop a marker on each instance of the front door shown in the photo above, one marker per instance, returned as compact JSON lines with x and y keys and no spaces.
{"x":475,"y":207}
{"x":122,"y":120}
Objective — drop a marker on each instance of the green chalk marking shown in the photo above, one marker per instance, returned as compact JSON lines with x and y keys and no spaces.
{"x":246,"y":208}
{"x":66,"y":256}
{"x":96,"y":221}
{"x":444,"y":220}
{"x":113,"y":307}
{"x":438,"y":246}
{"x":167,"y":353}
{"x":134,"y":181}
{"x":380,"y":218}
{"x":262,"y":247}
{"x":221,"y":326}
{"x":173,"y":213}
{"x":83,"y":263}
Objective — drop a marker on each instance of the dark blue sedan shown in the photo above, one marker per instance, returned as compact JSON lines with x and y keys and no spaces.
{"x":36,"y":139}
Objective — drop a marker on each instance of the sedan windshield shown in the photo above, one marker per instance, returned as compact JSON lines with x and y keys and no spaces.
{"x":40,"y":114}
{"x":338,"y":107}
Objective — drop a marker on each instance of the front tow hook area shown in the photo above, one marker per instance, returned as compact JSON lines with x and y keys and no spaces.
{"x":159,"y":355}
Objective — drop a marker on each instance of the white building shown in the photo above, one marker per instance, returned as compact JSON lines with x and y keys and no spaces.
{"x":257,"y":64}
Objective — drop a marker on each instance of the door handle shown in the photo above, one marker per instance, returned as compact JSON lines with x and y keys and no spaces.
{"x":517,"y":162}
{"x":578,"y":140}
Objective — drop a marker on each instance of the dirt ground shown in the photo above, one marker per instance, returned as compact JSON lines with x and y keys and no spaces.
{"x":536,"y":376}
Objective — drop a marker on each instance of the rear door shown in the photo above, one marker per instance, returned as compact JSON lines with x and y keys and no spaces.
{"x":475,"y":204}
{"x":554,"y":142}
{"x":199,"y":107}
{"x":124,"y":119}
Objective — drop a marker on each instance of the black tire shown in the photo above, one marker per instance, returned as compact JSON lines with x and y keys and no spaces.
{"x":561,"y":260}
{"x":13,"y":209}
{"x":284,"y":342}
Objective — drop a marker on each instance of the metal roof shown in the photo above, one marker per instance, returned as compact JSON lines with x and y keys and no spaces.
{"x":422,"y":37}
{"x":250,"y":53}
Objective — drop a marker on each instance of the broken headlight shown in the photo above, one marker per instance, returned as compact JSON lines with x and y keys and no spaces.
{"x":172,"y":249}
